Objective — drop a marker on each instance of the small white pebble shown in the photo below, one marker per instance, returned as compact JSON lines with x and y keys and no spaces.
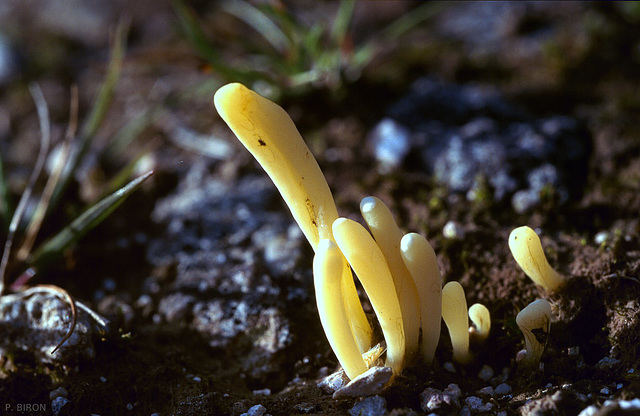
{"x":129,"y":406}
{"x":607,"y":363}
{"x":485,"y":373}
{"x":619,"y":386}
{"x":59,"y":392}
{"x":452,"y":230}
{"x":631,"y":371}
{"x":449,"y":367}
{"x":103,"y":379}
{"x":503,"y":388}
{"x":197,"y":379}
{"x":58,"y":404}
{"x":473,"y":402}
{"x":605,"y":390}
{"x":263,"y":392}
{"x":257,"y":410}
{"x":601,"y":237}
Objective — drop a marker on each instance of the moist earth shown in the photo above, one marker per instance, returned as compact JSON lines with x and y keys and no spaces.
{"x":513,"y":114}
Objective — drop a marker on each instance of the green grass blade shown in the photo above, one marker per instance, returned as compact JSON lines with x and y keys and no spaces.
{"x":342,"y":21}
{"x":53,"y":248}
{"x":96,"y":116}
{"x":260,"y":22}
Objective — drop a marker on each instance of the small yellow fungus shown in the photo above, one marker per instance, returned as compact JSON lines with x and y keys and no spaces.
{"x":481,"y":319}
{"x":454,"y":313}
{"x":327,"y":272}
{"x":422,"y":263}
{"x":267,"y":131}
{"x":387,"y":234}
{"x":527,"y":250}
{"x":535,"y":322}
{"x":370,"y":265}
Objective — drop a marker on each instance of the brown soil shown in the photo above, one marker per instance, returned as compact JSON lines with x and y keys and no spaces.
{"x":150,"y":366}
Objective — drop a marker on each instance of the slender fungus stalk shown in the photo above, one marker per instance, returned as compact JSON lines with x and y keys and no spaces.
{"x":420,"y":259}
{"x":267,"y":131}
{"x":372,"y":270}
{"x":527,"y":250}
{"x":454,"y":313}
{"x":479,"y":315}
{"x":534,"y":322}
{"x":387,"y":234}
{"x":327,"y":272}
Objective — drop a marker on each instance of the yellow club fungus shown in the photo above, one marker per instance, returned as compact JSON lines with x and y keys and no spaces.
{"x":454,"y":313}
{"x":327,"y":272}
{"x":481,"y":319}
{"x":422,"y":263}
{"x":388,"y":236}
{"x":267,"y":131}
{"x":535,"y":322}
{"x":527,"y":250}
{"x":370,"y":265}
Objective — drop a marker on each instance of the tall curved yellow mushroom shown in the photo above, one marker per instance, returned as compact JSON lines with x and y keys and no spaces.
{"x":527,"y":251}
{"x":267,"y":131}
{"x":372,"y":270}
{"x":388,"y":236}
{"x":421,"y":260}
{"x":327,"y":272}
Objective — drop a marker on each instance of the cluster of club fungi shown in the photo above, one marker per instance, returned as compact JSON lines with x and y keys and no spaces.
{"x":399,"y":272}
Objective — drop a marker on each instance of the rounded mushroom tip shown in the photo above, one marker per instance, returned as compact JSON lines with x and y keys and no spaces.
{"x":408,"y":240}
{"x":226,"y":92}
{"x":368,"y":204}
{"x":519,"y":234}
{"x":339,"y":221}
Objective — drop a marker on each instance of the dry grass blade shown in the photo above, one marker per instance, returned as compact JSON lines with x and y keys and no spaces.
{"x":52,"y":248}
{"x":74,"y":313}
{"x":59,"y":292}
{"x":5,"y":206}
{"x":41,"y":210}
{"x":45,"y":139}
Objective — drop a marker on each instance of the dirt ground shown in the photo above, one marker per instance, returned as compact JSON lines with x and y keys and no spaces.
{"x":204,"y":276}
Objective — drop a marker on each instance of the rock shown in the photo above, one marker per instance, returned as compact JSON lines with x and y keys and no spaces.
{"x":176,"y":307}
{"x":232,"y":261}
{"x":371,"y":382}
{"x":371,"y":406}
{"x":390,"y":141}
{"x":58,"y":404}
{"x":441,"y":402}
{"x":475,"y":404}
{"x":464,"y":133}
{"x":59,"y":392}
{"x":257,"y":410}
{"x":36,"y":323}
{"x":503,"y":389}
{"x":333,"y":382}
